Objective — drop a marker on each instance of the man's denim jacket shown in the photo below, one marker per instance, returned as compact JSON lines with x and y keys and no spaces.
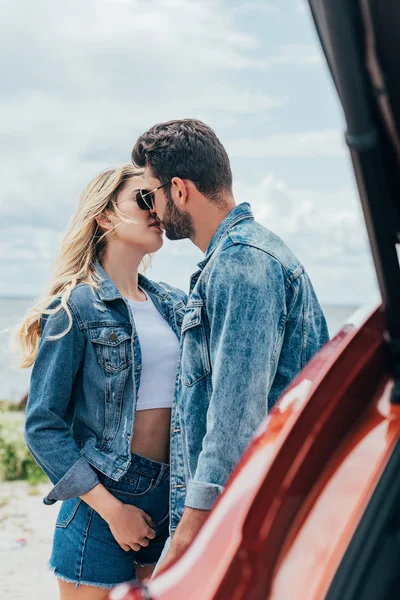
{"x":81,"y":407}
{"x":251,"y":324}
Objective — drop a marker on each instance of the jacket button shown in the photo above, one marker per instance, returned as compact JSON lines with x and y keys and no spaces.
{"x":113,"y":336}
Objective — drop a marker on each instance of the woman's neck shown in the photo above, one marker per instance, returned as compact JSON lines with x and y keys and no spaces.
{"x":123,"y":269}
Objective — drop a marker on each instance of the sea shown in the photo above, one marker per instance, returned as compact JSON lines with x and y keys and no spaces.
{"x":14,"y":382}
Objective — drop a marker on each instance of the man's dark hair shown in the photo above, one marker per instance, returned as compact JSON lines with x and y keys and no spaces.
{"x":188,"y":149}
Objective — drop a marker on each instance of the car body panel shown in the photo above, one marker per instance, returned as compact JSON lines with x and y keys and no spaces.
{"x":328,"y":520}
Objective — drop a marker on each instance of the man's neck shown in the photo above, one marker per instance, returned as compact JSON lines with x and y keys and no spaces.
{"x":207,"y":222}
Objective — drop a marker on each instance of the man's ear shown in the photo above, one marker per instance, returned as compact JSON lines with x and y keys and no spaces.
{"x":178,"y":191}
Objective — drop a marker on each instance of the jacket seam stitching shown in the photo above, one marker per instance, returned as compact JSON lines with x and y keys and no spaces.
{"x":75,"y":312}
{"x":291,"y":277}
{"x":247,"y":216}
{"x":304,"y":340}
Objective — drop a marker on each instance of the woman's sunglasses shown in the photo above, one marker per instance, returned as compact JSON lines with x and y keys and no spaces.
{"x":145,"y":199}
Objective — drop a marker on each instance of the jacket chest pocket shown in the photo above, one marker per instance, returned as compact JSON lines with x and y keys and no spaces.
{"x":195,"y":363}
{"x":112,"y":346}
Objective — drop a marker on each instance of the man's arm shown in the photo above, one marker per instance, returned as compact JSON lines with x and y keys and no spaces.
{"x":189,"y":526}
{"x":246,"y":309}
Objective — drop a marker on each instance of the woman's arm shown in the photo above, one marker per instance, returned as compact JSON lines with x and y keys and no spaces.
{"x":47,"y":432}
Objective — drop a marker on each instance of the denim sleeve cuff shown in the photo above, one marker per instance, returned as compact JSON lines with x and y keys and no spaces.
{"x":202,"y":495}
{"x":80,"y":478}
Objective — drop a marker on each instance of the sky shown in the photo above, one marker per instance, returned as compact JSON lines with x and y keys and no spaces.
{"x":81,"y":80}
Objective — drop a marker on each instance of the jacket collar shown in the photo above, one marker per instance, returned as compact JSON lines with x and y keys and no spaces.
{"x":109,"y":291}
{"x":239,"y":213}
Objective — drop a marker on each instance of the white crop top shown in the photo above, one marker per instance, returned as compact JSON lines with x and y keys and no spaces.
{"x":160,"y":354}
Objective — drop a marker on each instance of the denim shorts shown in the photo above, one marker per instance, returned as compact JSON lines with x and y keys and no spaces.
{"x":84,"y":549}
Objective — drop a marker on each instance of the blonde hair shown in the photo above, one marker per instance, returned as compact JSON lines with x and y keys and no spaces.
{"x":82,"y":245}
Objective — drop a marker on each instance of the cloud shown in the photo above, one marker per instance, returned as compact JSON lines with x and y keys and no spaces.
{"x":87,"y":78}
{"x":307,"y":144}
{"x":324,"y":226}
{"x":297,"y":55}
{"x":325,"y":230}
{"x":80,"y":82}
{"x":248,"y":8}
{"x":302,"y":6}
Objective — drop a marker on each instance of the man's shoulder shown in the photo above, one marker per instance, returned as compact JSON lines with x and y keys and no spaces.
{"x":250,"y":241}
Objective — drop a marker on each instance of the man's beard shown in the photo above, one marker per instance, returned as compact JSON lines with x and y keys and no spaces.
{"x":178,"y":225}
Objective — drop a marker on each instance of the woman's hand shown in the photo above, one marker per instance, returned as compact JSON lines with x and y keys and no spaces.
{"x":131,"y":527}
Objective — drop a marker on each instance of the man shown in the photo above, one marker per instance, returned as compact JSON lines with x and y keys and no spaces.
{"x":252,"y":320}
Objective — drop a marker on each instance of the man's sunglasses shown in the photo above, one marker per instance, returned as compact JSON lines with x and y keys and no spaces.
{"x":145,"y":199}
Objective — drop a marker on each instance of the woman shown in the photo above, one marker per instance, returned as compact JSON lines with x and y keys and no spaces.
{"x":105,"y":352}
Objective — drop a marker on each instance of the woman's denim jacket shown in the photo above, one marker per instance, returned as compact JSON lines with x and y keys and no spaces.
{"x":81,"y":407}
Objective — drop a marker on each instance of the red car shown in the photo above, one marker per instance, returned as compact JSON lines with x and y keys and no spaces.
{"x":312,"y":510}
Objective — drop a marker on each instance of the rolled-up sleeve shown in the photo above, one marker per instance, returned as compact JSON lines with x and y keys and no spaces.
{"x":246,"y":313}
{"x":49,"y":409}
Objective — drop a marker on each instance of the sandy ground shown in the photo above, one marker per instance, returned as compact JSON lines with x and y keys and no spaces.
{"x":23,"y":569}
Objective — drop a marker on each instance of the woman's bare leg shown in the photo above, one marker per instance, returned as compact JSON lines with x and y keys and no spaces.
{"x":68,"y":591}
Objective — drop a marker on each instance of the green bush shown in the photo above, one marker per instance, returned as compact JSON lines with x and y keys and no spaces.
{"x":16,"y":461}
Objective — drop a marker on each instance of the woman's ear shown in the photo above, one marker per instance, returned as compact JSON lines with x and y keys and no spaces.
{"x":104,"y":222}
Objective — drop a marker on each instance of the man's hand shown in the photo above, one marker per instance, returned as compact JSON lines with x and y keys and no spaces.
{"x":191,"y":523}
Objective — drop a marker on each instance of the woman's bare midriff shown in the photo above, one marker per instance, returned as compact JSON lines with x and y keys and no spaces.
{"x":151,"y":434}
